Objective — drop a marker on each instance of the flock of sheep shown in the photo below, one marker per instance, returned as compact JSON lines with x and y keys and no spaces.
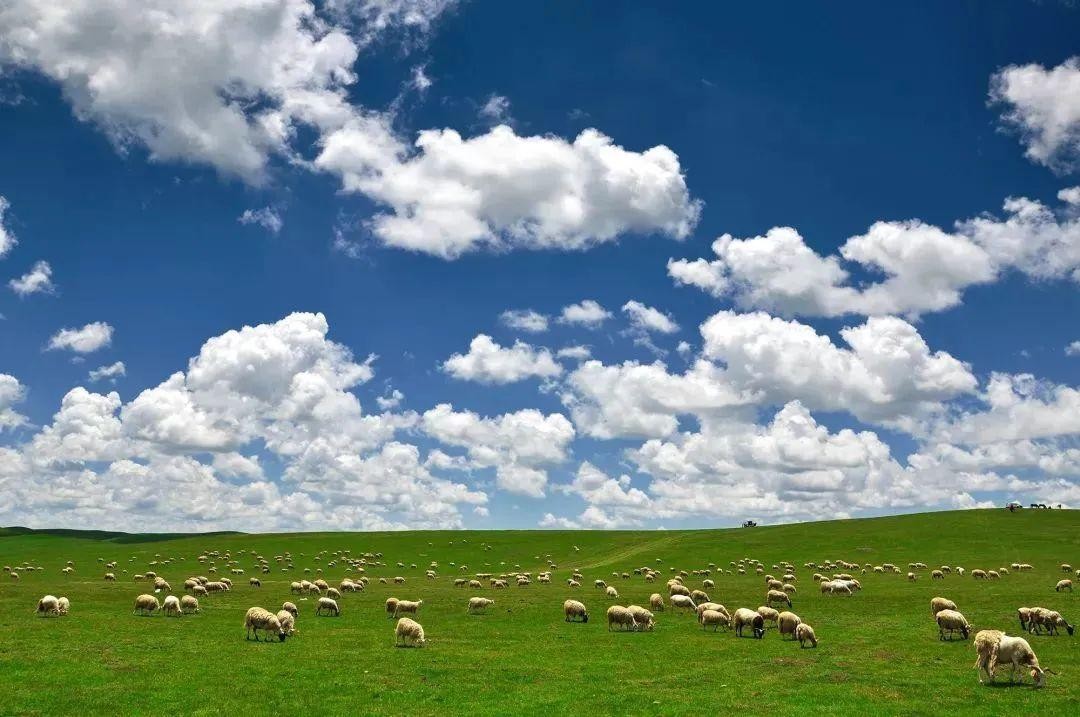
{"x":993,"y":647}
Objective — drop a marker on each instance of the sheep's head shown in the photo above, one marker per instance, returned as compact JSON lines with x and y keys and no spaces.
{"x":1038,"y":676}
{"x":1068,"y":628}
{"x":965,"y":631}
{"x":585,"y":617}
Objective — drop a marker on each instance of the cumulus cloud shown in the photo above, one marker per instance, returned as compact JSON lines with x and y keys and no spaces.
{"x":1043,"y":106}
{"x":496,"y":110}
{"x":266,"y":217}
{"x":519,"y":446}
{"x":36,"y":281}
{"x":647,"y":319}
{"x":1073,"y":349}
{"x":391,"y":400}
{"x":111,"y":372}
{"x":887,"y":375}
{"x":488,"y":362}
{"x":11,"y":393}
{"x":574,"y":353}
{"x":7,"y":238}
{"x":185,"y":454}
{"x":500,"y":191}
{"x":587,"y":313}
{"x":89,"y":338}
{"x":525,"y":320}
{"x":926,"y":269}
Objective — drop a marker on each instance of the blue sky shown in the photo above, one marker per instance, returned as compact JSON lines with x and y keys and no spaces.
{"x":878,"y":332}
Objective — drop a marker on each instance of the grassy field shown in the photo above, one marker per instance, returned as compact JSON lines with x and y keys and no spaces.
{"x":879,"y":650}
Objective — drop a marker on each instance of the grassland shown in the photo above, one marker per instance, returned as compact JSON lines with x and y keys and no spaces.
{"x":879,"y":650}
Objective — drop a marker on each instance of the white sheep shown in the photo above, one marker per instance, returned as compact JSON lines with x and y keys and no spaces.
{"x":409,"y":633}
{"x":994,"y":647}
{"x":951,"y":621}
{"x":189,"y":604}
{"x":611,"y":592}
{"x":171,"y":606}
{"x":329,"y":605}
{"x":683,"y":601}
{"x":786,"y":622}
{"x":804,"y":633}
{"x":146,"y":604}
{"x":780,"y":596}
{"x":642,"y":617}
{"x":290,"y":607}
{"x":407,"y":606}
{"x":476,"y":604}
{"x":48,"y":605}
{"x":619,"y":615}
{"x":575,"y":611}
{"x":743,"y":617}
{"x":1063,"y":585}
{"x":64,"y":604}
{"x":287,"y":621}
{"x":656,"y":602}
{"x":939,"y":603}
{"x":714,"y":618}
{"x":768,"y":614}
{"x":259,"y":619}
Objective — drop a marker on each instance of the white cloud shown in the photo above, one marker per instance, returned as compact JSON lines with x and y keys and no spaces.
{"x":282,"y":388}
{"x":926,"y":268}
{"x":647,"y":319}
{"x":889,"y":373}
{"x":112,"y":371}
{"x":518,"y":445}
{"x":574,"y":353}
{"x":88,"y":339}
{"x":633,"y":399}
{"x":1073,"y":349}
{"x":377,"y":18}
{"x":11,"y":393}
{"x":36,"y":281}
{"x":223,"y":83}
{"x":267,"y":217}
{"x":488,"y":362}
{"x":525,"y":320}
{"x":7,"y":238}
{"x":390,"y":401}
{"x":496,"y":110}
{"x":1043,"y":105}
{"x":420,"y":81}
{"x":588,"y":313}
{"x":500,"y":191}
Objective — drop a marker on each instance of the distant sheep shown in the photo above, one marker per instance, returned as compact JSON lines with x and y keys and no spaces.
{"x":777,"y":596}
{"x":407,"y":606}
{"x":330,"y":606}
{"x":714,"y":618}
{"x":1063,"y":585}
{"x":804,"y":634}
{"x":146,"y":605}
{"x":290,"y":607}
{"x":951,"y":621}
{"x":683,"y":601}
{"x":619,"y":615}
{"x":189,"y":604}
{"x":409,"y":633}
{"x":575,"y":611}
{"x":259,"y":619}
{"x":642,"y":617}
{"x":786,"y":622}
{"x":477,"y":604}
{"x":656,"y":602}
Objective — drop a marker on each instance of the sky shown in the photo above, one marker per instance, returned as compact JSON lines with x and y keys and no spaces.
{"x":387,"y":264}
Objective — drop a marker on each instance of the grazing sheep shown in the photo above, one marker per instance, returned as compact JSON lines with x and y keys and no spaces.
{"x":189,"y":604}
{"x":804,"y":633}
{"x":786,"y":622}
{"x":619,"y":615}
{"x":290,"y":607}
{"x":937,"y":575}
{"x":48,"y":605}
{"x":1050,"y":619}
{"x":611,"y":592}
{"x":642,"y":617}
{"x":951,"y":621}
{"x":64,"y":604}
{"x":407,"y":606}
{"x":255,"y":582}
{"x":994,"y":647}
{"x":777,"y":596}
{"x":477,"y":604}
{"x":287,"y":621}
{"x":110,"y":577}
{"x":399,"y":580}
{"x":789,"y":588}
{"x":146,"y":604}
{"x":296,"y":587}
{"x":699,"y":596}
{"x":259,"y":619}
{"x":978,"y":574}
{"x":993,"y":574}
{"x":171,"y":606}
{"x":683,"y":601}
{"x":391,"y":606}
{"x":912,"y":577}
{"x":1063,"y":585}
{"x":714,"y":618}
{"x":333,"y":593}
{"x":330,"y":606}
{"x":1024,"y":615}
{"x":409,"y":633}
{"x":768,"y":614}
{"x":656,"y":602}
{"x":743,"y":617}
{"x":199,"y":590}
{"x":1066,"y":568}
{"x":677,"y":589}
{"x":575,"y":611}
{"x":939,"y":603}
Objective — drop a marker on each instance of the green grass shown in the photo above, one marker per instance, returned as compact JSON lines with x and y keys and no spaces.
{"x":879,"y":650}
